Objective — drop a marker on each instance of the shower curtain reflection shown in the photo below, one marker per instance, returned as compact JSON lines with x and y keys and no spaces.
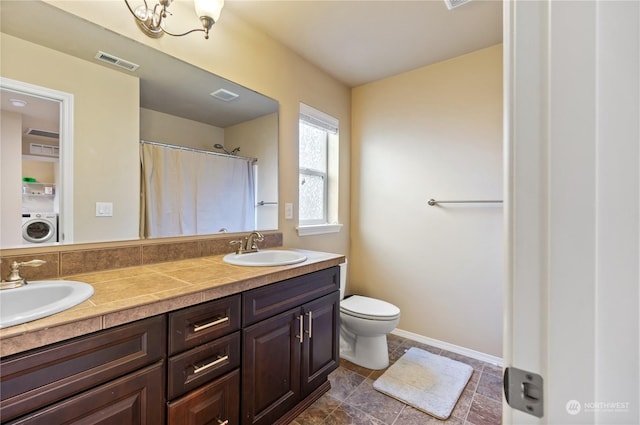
{"x":191,"y":192}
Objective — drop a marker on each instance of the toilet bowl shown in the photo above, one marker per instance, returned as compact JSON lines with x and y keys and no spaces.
{"x":364,"y":325}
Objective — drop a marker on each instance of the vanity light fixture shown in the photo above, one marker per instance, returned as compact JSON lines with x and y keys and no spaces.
{"x":151,"y":19}
{"x":455,"y":3}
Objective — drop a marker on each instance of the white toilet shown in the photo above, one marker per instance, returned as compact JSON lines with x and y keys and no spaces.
{"x":364,"y":325}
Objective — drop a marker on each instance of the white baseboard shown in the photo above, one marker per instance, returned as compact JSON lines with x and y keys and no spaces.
{"x":496,"y":361}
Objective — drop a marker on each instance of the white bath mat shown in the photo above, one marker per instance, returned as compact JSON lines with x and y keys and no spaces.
{"x":426,"y":381}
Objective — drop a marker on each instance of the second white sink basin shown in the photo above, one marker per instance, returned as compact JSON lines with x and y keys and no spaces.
{"x":39,"y":299}
{"x":269,"y":257}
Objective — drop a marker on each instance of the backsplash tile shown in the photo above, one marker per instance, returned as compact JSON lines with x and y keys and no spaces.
{"x":72,"y":260}
{"x":223,"y":246}
{"x":76,"y":262}
{"x":162,"y":252}
{"x":48,"y":270}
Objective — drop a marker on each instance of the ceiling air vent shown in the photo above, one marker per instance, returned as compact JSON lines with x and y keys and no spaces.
{"x":455,"y":3}
{"x":116,"y":61}
{"x":224,"y":95}
{"x":43,"y":133}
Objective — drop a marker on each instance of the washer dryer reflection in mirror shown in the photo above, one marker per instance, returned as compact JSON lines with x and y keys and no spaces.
{"x":39,"y":228}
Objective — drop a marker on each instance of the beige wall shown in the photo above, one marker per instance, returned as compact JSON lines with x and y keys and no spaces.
{"x":106,"y":164}
{"x":163,"y":128}
{"x":433,"y":132}
{"x":257,"y":139}
{"x":42,"y":171}
{"x":240,"y":53}
{"x":10,"y":171}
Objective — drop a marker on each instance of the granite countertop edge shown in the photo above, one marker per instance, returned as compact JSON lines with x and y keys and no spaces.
{"x":182,"y":284}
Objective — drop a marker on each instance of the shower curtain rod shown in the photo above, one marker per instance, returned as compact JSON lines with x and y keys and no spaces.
{"x":433,"y":202}
{"x":184,"y":148}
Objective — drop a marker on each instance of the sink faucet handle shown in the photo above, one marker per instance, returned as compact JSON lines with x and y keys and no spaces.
{"x":15,"y":277}
{"x":32,"y":263}
{"x":241,"y":245}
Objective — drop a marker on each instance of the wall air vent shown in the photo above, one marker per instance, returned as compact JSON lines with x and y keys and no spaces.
{"x":224,"y":95}
{"x":455,"y":3}
{"x":43,"y":133}
{"x":47,"y":150}
{"x":116,"y":61}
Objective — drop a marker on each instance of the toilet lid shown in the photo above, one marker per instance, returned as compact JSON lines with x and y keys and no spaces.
{"x":369,"y":308}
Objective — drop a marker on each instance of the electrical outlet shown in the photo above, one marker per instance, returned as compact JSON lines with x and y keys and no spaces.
{"x":288,"y":211}
{"x":104,"y":209}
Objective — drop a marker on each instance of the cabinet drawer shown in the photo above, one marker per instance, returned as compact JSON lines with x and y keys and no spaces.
{"x":202,"y":323}
{"x":267,"y":301}
{"x":214,"y":403}
{"x":200,"y":365}
{"x":34,"y":379}
{"x":134,"y":399}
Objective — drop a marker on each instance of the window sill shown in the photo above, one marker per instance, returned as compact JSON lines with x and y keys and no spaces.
{"x":318,"y":229}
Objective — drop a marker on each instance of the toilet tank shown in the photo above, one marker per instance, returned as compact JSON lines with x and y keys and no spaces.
{"x":343,"y":278}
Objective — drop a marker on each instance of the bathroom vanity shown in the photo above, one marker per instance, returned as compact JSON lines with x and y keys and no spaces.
{"x":258,"y":354}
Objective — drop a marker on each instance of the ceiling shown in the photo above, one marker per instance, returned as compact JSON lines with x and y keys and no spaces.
{"x":360,"y":41}
{"x":355,"y":41}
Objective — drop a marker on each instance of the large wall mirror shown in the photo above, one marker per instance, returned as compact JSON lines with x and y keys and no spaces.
{"x":87,"y":166}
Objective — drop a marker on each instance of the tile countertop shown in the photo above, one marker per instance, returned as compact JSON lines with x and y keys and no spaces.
{"x":125,"y":295}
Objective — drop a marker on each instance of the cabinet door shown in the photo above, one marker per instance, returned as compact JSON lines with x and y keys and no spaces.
{"x":214,"y":403}
{"x":135,"y":399}
{"x":271,"y":367}
{"x":321,"y":348}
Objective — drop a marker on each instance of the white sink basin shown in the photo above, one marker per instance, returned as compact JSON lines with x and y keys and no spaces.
{"x":39,"y":299}
{"x":269,"y":257}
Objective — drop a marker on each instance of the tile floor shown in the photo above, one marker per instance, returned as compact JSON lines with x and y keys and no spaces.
{"x":352,"y":399}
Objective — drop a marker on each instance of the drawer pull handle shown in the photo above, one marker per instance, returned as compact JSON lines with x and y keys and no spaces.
{"x":198,"y":369}
{"x":310,"y":323}
{"x":198,"y":328}
{"x":301,"y":335}
{"x":223,"y":422}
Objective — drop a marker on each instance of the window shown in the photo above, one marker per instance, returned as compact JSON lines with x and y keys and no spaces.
{"x":318,"y":148}
{"x":313,"y":174}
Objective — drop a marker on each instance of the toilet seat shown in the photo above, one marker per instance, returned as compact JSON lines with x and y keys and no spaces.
{"x":364,"y":308}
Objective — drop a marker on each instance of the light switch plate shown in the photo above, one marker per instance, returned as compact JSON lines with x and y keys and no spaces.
{"x":104,"y":209}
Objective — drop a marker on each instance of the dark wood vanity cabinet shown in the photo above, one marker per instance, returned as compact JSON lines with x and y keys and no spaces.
{"x":290,"y":345}
{"x":203,"y":384}
{"x":112,"y":376}
{"x":257,"y":357}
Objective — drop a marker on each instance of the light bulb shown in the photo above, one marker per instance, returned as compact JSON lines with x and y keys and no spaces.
{"x":209,"y":8}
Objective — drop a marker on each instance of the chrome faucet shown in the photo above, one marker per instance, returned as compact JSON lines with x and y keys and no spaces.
{"x":248,"y":243}
{"x":15,"y":280}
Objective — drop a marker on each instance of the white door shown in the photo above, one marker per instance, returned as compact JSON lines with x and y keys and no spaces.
{"x":572,"y":132}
